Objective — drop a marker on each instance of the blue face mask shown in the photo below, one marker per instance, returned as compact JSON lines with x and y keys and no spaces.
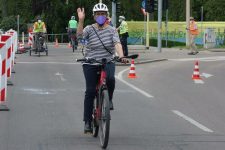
{"x":101,"y":20}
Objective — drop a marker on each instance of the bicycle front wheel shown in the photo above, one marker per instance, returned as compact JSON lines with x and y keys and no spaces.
{"x":95,"y":124}
{"x":104,"y":124}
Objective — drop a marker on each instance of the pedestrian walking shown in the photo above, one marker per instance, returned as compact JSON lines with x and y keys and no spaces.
{"x":193,"y":31}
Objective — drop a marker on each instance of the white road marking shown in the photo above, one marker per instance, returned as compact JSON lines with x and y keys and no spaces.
{"x":43,"y":91}
{"x":192,"y":121}
{"x":206,"y":75}
{"x":214,"y":58}
{"x":199,"y":81}
{"x":61,"y":76}
{"x":119,"y":77}
{"x":60,"y":63}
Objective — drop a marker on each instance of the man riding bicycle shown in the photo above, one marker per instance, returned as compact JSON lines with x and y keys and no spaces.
{"x":72,"y":28}
{"x":102,"y":41}
{"x":39,"y":29}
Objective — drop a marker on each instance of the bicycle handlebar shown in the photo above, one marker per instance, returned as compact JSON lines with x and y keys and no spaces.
{"x":134,"y":56}
{"x":116,"y":58}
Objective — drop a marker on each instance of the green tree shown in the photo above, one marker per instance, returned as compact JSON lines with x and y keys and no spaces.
{"x":214,"y":10}
{"x":3,"y":8}
{"x":11,"y":23}
{"x":56,"y":13}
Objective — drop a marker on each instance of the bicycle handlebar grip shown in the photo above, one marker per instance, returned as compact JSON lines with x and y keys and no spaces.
{"x":83,"y":59}
{"x":134,"y":56}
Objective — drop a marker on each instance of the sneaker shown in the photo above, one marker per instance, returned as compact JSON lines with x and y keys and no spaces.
{"x":196,"y":52}
{"x":87,"y":127}
{"x":111,"y":105}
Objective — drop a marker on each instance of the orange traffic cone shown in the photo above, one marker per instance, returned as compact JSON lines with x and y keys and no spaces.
{"x":196,"y":74}
{"x":132,"y":73}
{"x":56,"y":42}
{"x":21,"y":47}
{"x":69,"y":45}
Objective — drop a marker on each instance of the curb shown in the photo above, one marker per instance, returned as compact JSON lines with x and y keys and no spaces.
{"x":142,"y":62}
{"x":216,"y":50}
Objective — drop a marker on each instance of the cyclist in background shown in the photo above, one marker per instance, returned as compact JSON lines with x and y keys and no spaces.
{"x":102,"y":41}
{"x":72,"y":27}
{"x":39,"y":29}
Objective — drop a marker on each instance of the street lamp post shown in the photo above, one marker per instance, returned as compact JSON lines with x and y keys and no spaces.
{"x":159,"y":26}
{"x":114,"y":13}
{"x":202,"y":18}
{"x":187,"y":21}
{"x":18,"y":26}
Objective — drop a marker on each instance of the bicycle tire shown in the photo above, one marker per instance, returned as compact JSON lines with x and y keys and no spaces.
{"x":104,"y":123}
{"x":95,"y":124}
{"x":39,"y":48}
{"x":46,"y":49}
{"x":73,"y":44}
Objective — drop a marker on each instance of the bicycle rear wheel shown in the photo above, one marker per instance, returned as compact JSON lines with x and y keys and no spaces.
{"x":73,"y":44}
{"x":39,"y":48}
{"x":46,"y":48}
{"x":95,"y":124}
{"x":104,"y":122}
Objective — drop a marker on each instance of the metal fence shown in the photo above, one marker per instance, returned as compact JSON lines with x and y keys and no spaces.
{"x":137,"y":37}
{"x":61,"y":37}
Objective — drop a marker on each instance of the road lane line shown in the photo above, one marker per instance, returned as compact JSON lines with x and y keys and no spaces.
{"x":61,"y":76}
{"x":199,"y":81}
{"x":62,"y":63}
{"x":119,"y":77}
{"x":206,"y":75}
{"x":192,"y":121}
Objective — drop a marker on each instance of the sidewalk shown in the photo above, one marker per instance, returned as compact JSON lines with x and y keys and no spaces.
{"x":152,"y":54}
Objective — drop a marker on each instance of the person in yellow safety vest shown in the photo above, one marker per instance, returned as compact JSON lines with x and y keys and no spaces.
{"x":193,"y":30}
{"x":123,"y":32}
{"x":39,"y":29}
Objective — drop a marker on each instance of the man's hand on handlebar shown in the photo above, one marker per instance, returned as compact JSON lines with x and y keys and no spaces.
{"x":124,"y":60}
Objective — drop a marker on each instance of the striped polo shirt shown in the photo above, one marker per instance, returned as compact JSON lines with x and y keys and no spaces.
{"x":94,"y":47}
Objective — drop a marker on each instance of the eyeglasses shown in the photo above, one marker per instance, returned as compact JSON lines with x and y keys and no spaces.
{"x":100,"y":13}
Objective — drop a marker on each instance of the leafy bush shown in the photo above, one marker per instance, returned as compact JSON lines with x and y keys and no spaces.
{"x":153,"y":42}
{"x":10,"y":22}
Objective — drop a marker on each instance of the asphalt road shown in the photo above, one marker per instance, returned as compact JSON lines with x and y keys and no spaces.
{"x":163,"y":109}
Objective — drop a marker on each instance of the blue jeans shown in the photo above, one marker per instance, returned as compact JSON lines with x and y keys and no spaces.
{"x":91,"y":77}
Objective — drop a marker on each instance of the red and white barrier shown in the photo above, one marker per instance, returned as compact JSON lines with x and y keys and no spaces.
{"x":8,"y":46}
{"x":3,"y":81}
{"x":13,"y":33}
{"x":7,"y":38}
{"x":30,"y":40}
